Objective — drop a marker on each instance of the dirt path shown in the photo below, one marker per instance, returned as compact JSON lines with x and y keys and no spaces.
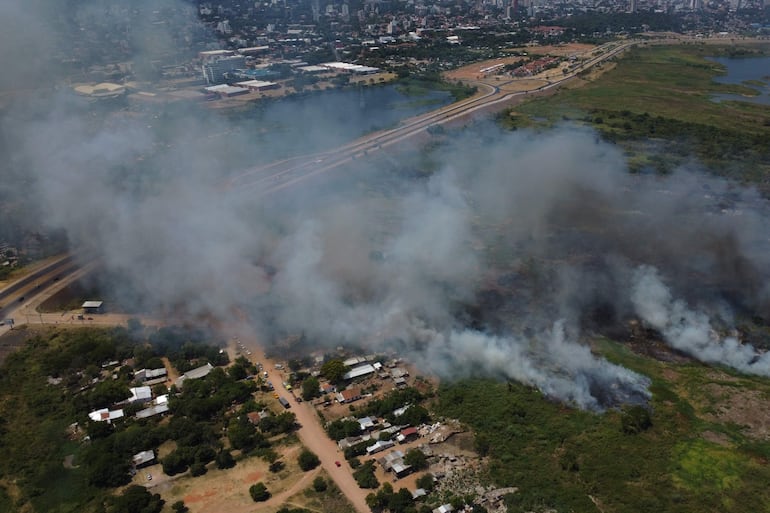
{"x":283,"y":497}
{"x":311,"y":433}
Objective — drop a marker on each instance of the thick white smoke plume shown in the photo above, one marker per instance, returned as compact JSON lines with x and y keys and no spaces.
{"x":558,"y":367}
{"x":500,"y":262}
{"x":688,"y":330}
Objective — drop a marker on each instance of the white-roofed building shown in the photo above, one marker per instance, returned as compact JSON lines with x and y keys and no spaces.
{"x":361,"y":370}
{"x":105,"y":415}
{"x":366,"y":423}
{"x":258,"y":85}
{"x":378,"y":446}
{"x":156,"y":409}
{"x":350,"y":68}
{"x":92,"y":307}
{"x":142,"y":459}
{"x":200,"y":372}
{"x":140,"y":394}
{"x":226,"y":91}
{"x":151,"y":376}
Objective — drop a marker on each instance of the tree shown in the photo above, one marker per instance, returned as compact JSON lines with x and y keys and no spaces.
{"x":334,"y":371}
{"x":311,"y":388}
{"x":107,"y":469}
{"x":365,"y":477}
{"x":400,"y":501}
{"x":425,"y":482}
{"x":225,"y":460}
{"x":258,"y":492}
{"x":136,"y":499}
{"x":416,"y":458}
{"x":308,"y":460}
{"x":320,"y":484}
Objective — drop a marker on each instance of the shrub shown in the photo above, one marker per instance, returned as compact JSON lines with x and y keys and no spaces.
{"x":258,"y":492}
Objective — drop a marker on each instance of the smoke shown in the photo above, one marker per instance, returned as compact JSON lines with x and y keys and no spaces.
{"x":688,"y":330}
{"x":549,"y":225}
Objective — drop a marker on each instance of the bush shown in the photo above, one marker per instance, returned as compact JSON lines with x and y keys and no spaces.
{"x":635,"y":420}
{"x":197,"y":469}
{"x":308,"y":460}
{"x":258,"y":492}
{"x":319,"y":484}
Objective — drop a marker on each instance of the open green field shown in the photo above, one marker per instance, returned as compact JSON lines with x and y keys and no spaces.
{"x":656,"y":102}
{"x":706,"y":450}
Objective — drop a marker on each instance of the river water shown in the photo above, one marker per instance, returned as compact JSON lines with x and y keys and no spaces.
{"x":741,"y":70}
{"x":323,"y":120}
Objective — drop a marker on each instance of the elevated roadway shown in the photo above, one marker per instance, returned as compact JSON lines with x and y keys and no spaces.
{"x":273,"y":177}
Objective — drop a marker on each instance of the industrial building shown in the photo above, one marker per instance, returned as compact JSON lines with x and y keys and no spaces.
{"x":226,"y":91}
{"x":257,"y":85}
{"x":347,"y":67}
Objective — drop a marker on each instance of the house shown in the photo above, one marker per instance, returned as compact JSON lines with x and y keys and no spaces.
{"x":200,"y":372}
{"x":407,"y":435}
{"x":399,"y":372}
{"x":367,"y":423}
{"x":140,"y":394}
{"x":142,"y":459}
{"x":348,"y":396}
{"x":387,"y":461}
{"x":360,"y":371}
{"x":444,"y":508}
{"x":327,"y":388}
{"x":400,"y":382}
{"x":159,"y":407}
{"x":353,"y":440}
{"x":256,"y":416}
{"x":420,"y":492}
{"x":150,"y":376}
{"x":378,"y":446}
{"x":401,"y":469}
{"x":105,"y":415}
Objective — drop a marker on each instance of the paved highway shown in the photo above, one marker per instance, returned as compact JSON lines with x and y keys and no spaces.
{"x":273,"y":177}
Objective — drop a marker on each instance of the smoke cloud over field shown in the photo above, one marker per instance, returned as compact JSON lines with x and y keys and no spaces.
{"x":499,"y":263}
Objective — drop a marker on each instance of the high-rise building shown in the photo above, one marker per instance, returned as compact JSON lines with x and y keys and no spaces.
{"x":214,"y":71}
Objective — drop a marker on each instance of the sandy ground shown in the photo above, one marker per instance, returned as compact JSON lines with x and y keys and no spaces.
{"x":228,"y":490}
{"x":473,"y":71}
{"x":310,"y":433}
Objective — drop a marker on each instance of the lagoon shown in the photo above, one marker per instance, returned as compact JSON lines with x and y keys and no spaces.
{"x":751,"y":72}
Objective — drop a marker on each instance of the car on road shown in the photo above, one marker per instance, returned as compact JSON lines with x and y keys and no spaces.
{"x":338,"y":463}
{"x":275,"y":394}
{"x":149,"y":477}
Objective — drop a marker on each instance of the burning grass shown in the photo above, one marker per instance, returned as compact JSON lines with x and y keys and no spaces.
{"x":702,"y":453}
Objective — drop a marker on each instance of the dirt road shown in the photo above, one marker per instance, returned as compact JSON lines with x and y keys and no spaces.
{"x":311,"y":433}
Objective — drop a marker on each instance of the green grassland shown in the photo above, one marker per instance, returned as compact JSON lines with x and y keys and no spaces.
{"x":569,"y":460}
{"x":656,"y":102}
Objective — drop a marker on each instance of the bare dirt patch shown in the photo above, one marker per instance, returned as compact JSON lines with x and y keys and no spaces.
{"x":560,"y":50}
{"x":717,"y":438}
{"x":737,"y":405}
